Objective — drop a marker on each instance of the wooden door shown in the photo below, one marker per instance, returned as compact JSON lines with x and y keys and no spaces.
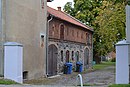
{"x":52,"y":60}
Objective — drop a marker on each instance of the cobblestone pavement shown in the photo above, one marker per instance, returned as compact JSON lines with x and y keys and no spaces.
{"x":99,"y":78}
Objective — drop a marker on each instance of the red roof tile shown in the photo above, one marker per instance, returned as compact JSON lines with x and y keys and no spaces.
{"x":66,"y":17}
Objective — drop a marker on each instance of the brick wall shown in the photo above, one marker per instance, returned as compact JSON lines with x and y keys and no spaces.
{"x":71,"y":31}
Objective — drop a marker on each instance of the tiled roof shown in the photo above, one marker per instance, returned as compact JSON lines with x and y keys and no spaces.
{"x":66,"y":17}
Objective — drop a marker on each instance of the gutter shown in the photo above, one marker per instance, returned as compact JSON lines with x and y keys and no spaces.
{"x":47,"y":40}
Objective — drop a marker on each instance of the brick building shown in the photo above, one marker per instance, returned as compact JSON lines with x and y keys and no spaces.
{"x":69,"y":41}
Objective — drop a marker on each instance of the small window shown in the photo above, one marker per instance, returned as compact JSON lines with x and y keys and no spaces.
{"x":72,"y":32}
{"x":67,"y":31}
{"x":77,"y":34}
{"x":62,"y":55}
{"x":42,"y":4}
{"x":62,"y":32}
{"x":77,"y":56}
{"x":67,"y":56}
{"x":81,"y":35}
{"x":53,"y":29}
{"x":88,"y":39}
{"x":25,"y":75}
{"x":72,"y":55}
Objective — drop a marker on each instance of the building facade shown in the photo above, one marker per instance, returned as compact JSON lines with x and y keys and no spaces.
{"x":24,"y":21}
{"x":69,"y":41}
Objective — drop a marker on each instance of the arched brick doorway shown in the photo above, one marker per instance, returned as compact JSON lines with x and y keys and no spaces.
{"x":52,"y":60}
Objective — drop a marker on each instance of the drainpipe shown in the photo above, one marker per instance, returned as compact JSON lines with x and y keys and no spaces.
{"x":2,"y":41}
{"x":49,"y":19}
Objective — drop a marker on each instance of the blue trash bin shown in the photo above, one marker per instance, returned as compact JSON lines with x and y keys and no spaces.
{"x":79,"y":67}
{"x":68,"y":68}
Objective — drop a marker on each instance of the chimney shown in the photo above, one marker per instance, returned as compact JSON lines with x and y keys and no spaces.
{"x":59,"y":8}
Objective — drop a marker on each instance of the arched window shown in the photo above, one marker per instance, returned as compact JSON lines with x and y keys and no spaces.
{"x":88,"y":38}
{"x":81,"y":35}
{"x":67,"y":56}
{"x":62,"y":56}
{"x":62,"y":32}
{"x":53,"y":29}
{"x":77,"y":34}
{"x":72,"y":55}
{"x":86,"y":57}
{"x":72,"y":32}
{"x":77,"y":56}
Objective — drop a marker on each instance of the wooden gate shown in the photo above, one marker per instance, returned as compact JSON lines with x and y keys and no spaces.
{"x":86,"y":58}
{"x":52,"y":60}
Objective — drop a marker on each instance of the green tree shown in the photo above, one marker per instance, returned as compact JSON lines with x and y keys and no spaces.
{"x":107,"y":17}
{"x":111,"y":21}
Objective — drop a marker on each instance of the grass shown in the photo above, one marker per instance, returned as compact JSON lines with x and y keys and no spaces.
{"x":120,"y":85}
{"x":103,"y":65}
{"x":7,"y":82}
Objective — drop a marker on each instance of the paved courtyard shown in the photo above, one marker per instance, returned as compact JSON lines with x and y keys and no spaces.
{"x":103,"y":77}
{"x":99,"y":78}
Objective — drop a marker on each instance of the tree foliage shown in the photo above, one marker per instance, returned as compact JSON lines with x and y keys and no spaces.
{"x":107,"y":17}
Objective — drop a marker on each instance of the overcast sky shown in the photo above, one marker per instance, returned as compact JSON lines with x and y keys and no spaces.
{"x":58,"y":3}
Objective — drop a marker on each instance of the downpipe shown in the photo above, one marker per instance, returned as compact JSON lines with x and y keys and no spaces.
{"x":50,"y":18}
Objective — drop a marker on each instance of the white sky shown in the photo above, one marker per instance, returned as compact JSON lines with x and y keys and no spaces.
{"x":58,"y":3}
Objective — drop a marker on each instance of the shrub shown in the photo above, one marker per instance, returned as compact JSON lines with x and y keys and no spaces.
{"x":113,"y":60}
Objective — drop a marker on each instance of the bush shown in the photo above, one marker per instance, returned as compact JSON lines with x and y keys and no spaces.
{"x":113,"y":60}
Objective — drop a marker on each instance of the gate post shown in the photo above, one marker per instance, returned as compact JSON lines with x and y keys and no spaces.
{"x":122,"y":62}
{"x":13,"y":61}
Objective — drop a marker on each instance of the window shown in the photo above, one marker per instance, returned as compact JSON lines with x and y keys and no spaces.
{"x":67,"y":31}
{"x":67,"y":56}
{"x":77,"y":56}
{"x":77,"y":34}
{"x":42,"y":4}
{"x":81,"y":35}
{"x":72,"y":55}
{"x":25,"y":75}
{"x":72,"y":32}
{"x":88,"y":39}
{"x":53,"y":29}
{"x":62,"y":56}
{"x":62,"y":32}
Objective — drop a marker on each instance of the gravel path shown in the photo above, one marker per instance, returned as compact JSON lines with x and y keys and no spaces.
{"x":101,"y":78}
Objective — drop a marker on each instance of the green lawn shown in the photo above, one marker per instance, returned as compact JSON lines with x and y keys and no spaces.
{"x":7,"y":82}
{"x":103,"y":65}
{"x":120,"y":85}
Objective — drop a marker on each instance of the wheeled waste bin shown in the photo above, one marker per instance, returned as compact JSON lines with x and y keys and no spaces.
{"x":68,"y":68}
{"x":79,"y":67}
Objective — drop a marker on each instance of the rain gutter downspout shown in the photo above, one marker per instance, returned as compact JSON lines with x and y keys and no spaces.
{"x":47,"y":40}
{"x":2,"y":40}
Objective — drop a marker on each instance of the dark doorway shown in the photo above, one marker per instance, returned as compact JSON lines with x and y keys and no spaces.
{"x":52,"y":60}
